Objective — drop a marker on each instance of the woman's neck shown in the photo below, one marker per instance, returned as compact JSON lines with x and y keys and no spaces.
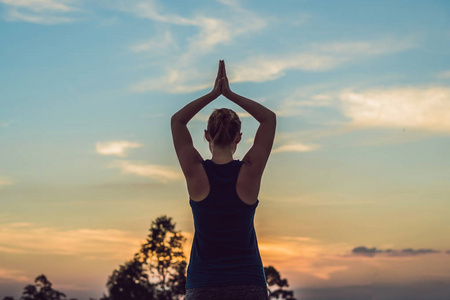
{"x":222,"y":155}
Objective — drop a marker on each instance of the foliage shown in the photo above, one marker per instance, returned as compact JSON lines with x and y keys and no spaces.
{"x":130,"y":282}
{"x":157,"y":270}
{"x":163,"y":253}
{"x":41,"y":290}
{"x":273,"y":278}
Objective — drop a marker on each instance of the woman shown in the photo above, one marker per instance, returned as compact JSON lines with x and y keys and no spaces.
{"x":225,"y":262}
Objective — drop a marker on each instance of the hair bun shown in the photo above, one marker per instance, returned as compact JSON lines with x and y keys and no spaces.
{"x":223,"y":125}
{"x":223,"y":116}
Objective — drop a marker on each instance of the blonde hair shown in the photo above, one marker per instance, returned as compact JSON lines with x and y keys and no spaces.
{"x":223,"y":125}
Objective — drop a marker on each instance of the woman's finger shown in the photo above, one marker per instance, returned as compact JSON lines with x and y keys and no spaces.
{"x":219,"y":71}
{"x":224,"y":74}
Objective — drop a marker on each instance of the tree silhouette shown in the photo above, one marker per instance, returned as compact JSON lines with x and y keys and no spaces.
{"x":157,"y":271}
{"x":130,"y":282}
{"x":41,"y":290}
{"x":273,"y":278}
{"x":163,"y":253}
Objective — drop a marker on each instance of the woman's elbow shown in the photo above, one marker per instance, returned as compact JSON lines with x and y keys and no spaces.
{"x":175,"y":119}
{"x":272,"y":117}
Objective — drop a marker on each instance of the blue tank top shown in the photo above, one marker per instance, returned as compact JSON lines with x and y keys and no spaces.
{"x":225,"y":249}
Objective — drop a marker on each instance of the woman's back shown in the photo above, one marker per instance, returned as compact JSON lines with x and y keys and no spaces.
{"x":225,"y":248}
{"x":247,"y":184}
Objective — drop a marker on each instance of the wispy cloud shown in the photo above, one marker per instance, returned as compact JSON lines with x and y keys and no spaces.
{"x":174,"y":81}
{"x":371,"y":252}
{"x":39,"y":11}
{"x":445,"y":74}
{"x":41,"y":5}
{"x":296,"y":147}
{"x":182,"y":76}
{"x":300,"y":255}
{"x":14,"y":275}
{"x":105,"y":244}
{"x":117,"y":148}
{"x":302,"y":100}
{"x":5,"y":181}
{"x":313,"y":262}
{"x":318,"y":58}
{"x":271,"y":67}
{"x":158,"y":172}
{"x":425,"y":108}
{"x":159,"y":44}
{"x":211,"y":30}
{"x":149,"y":10}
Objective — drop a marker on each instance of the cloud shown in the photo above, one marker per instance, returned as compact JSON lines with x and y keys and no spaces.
{"x":261,"y":67}
{"x":105,"y":244}
{"x":14,"y":275}
{"x":403,"y":107}
{"x":39,"y":11}
{"x":5,"y":181}
{"x":40,"y":5}
{"x":371,"y":252}
{"x":302,"y":255}
{"x":424,"y":109}
{"x":174,"y":81}
{"x":161,"y":173}
{"x":310,"y":262}
{"x":365,"y":251}
{"x":271,"y":67}
{"x":158,"y":44}
{"x":410,"y":251}
{"x":318,"y":58}
{"x":367,"y":48}
{"x":117,"y":148}
{"x":149,"y":10}
{"x":445,"y":74}
{"x":211,"y":29}
{"x":302,"y":101}
{"x":296,"y":147}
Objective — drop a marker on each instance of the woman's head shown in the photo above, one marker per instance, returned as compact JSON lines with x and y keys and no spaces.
{"x":223,"y":126}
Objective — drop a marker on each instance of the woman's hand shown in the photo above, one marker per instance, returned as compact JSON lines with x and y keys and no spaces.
{"x":225,"y":85}
{"x":217,"y":89}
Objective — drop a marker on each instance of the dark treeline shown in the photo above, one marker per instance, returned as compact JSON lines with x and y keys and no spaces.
{"x":156,"y":272}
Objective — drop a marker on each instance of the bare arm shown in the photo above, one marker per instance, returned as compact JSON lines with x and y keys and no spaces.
{"x":187,"y":155}
{"x":184,"y":115}
{"x":258,"y":111}
{"x":259,"y":153}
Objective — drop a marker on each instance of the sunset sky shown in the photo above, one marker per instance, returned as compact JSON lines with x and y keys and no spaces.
{"x":355,"y":199}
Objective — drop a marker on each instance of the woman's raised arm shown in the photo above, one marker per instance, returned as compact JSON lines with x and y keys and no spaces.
{"x":262,"y":144}
{"x":187,"y":155}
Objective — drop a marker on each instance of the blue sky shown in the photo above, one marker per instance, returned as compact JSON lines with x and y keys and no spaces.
{"x":361,"y":91}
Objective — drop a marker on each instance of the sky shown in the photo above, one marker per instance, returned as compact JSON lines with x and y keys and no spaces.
{"x":354,"y":202}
